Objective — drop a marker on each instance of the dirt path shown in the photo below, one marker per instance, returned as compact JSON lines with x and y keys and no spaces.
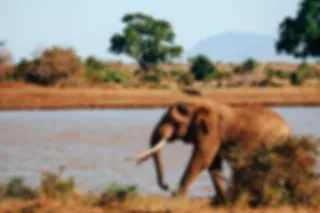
{"x":23,"y":96}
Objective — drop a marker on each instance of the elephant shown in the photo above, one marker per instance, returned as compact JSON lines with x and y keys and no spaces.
{"x":212,"y":127}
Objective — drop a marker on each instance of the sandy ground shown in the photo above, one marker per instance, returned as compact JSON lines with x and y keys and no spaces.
{"x":141,"y":205}
{"x":25,"y":96}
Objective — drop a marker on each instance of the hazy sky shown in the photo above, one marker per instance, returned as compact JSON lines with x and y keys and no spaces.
{"x":87,"y":25}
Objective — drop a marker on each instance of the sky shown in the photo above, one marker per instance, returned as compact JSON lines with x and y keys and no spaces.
{"x":87,"y":25}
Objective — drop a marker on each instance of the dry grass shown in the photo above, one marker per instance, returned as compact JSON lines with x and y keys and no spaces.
{"x":152,"y":204}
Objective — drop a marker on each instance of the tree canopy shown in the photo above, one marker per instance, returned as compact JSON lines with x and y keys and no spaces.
{"x":300,"y":36}
{"x":147,"y":40}
{"x":202,"y":68}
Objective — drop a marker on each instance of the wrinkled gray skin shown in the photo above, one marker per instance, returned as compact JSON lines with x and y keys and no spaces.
{"x":210,"y":127}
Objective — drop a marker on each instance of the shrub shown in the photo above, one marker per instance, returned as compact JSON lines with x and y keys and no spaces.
{"x":16,"y":188}
{"x":284,"y":174}
{"x":191,"y":91}
{"x":7,"y":73}
{"x":53,"y":186}
{"x":306,"y":70}
{"x":202,"y":68}
{"x":247,"y":66}
{"x":175,"y":73}
{"x":117,"y":192}
{"x":25,"y":68}
{"x":221,"y":75}
{"x":277,"y":73}
{"x":111,"y":76}
{"x":297,"y":78}
{"x":282,"y":75}
{"x":92,"y":63}
{"x":154,"y":76}
{"x":186,"y":78}
{"x":54,"y":64}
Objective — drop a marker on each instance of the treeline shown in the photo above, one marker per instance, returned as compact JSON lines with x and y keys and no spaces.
{"x":63,"y":67}
{"x":151,"y":43}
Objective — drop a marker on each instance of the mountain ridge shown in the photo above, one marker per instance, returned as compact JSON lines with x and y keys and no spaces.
{"x":235,"y":46}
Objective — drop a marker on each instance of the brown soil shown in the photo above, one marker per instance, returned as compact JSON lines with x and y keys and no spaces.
{"x":153,"y":204}
{"x":25,"y":96}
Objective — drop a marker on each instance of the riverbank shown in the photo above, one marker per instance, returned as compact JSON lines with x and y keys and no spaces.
{"x":20,"y":96}
{"x":152,"y":204}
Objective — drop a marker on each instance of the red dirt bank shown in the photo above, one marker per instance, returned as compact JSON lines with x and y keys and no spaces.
{"x":24,"y":96}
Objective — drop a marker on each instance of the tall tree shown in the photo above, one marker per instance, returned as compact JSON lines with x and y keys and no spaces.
{"x":300,"y":36}
{"x":147,"y":40}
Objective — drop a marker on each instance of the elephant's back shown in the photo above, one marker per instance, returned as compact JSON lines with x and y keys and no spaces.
{"x":258,"y":125}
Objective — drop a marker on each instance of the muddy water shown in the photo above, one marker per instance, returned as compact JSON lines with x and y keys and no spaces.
{"x":92,"y":145}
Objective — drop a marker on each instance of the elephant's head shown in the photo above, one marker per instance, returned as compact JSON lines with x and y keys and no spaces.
{"x":175,"y":124}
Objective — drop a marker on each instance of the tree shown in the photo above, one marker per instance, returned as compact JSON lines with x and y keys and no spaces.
{"x":300,"y":36}
{"x":147,"y":40}
{"x":202,"y":68}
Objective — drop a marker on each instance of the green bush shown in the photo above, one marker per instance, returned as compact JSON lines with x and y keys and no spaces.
{"x":283,"y":174}
{"x":297,"y":78}
{"x":92,"y":63}
{"x":282,"y":75}
{"x":154,"y":76}
{"x":9,"y":77}
{"x":24,"y":68}
{"x":277,"y":73}
{"x":16,"y":188}
{"x":247,"y":66}
{"x":221,"y":75}
{"x":111,"y":76}
{"x":117,"y":192}
{"x":175,"y":73}
{"x":202,"y":68}
{"x":186,"y":78}
{"x":53,"y":186}
{"x":306,"y":70}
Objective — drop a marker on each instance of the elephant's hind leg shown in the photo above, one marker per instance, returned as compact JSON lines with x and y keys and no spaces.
{"x":216,"y":175}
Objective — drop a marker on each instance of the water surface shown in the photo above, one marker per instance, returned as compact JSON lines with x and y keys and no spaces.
{"x":92,"y":145}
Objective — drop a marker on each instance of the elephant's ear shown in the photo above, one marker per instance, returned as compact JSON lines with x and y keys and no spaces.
{"x":204,"y":127}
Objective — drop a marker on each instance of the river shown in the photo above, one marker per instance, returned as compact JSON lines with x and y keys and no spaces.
{"x":92,"y":146}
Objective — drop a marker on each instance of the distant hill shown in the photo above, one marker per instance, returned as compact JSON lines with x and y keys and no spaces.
{"x":238,"y":46}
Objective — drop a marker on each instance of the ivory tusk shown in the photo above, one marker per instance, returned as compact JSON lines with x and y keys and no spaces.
{"x":144,"y":155}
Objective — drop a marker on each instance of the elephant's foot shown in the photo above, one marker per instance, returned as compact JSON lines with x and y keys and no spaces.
{"x":218,"y":201}
{"x":164,"y":186}
{"x":179,"y":194}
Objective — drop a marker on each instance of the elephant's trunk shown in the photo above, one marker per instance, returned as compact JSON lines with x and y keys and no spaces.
{"x":159,"y":170}
{"x":163,"y":134}
{"x":159,"y":139}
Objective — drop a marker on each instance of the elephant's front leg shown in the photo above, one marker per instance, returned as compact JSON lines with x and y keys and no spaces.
{"x":216,"y":175}
{"x":200,"y":160}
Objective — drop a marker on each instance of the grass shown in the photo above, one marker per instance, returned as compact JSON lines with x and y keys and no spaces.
{"x":116,"y":192}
